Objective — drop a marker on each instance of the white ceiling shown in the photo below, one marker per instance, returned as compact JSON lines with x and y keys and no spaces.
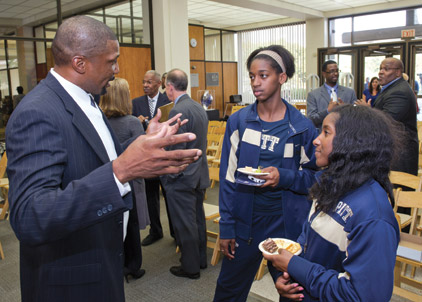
{"x":212,"y":13}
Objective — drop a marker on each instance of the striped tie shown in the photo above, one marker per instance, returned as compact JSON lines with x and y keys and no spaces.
{"x":151,"y":107}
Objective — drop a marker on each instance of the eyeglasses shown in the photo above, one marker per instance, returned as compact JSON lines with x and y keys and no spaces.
{"x":332,"y":71}
{"x":387,"y":69}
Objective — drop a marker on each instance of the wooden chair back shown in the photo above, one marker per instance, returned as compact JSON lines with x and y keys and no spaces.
{"x":412,"y":182}
{"x":407,"y":199}
{"x":237,"y":108}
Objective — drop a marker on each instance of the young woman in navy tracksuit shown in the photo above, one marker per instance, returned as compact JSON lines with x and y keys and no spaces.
{"x":350,"y":238}
{"x":273,"y":134}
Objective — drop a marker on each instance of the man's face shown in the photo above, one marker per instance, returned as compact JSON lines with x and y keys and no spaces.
{"x":101,"y":69}
{"x":331,"y":74}
{"x":151,"y":85}
{"x":389,"y":71}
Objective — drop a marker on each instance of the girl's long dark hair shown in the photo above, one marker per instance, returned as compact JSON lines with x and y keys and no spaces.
{"x":365,"y":145}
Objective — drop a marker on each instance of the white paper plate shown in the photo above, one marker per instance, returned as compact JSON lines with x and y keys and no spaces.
{"x":244,"y":171}
{"x":261,"y":248}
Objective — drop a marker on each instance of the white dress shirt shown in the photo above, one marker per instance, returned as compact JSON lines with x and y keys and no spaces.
{"x":95,"y":116}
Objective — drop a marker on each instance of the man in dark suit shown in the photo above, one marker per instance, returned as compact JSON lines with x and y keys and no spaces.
{"x":69,"y":181}
{"x":398,"y":100}
{"x":188,"y":188}
{"x":145,"y":108}
{"x":322,"y":100}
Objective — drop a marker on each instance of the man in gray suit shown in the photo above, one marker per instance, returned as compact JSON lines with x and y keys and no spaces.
{"x":186,"y":189}
{"x":321,"y":101}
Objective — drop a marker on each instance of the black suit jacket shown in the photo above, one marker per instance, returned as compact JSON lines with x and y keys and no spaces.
{"x":140,"y":106}
{"x":399,"y":101}
{"x":196,"y":174}
{"x":65,"y":206}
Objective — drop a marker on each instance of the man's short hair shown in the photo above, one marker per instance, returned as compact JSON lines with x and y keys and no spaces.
{"x":80,"y":35}
{"x":326,"y":63}
{"x":19,"y":89}
{"x":178,"y":79}
{"x":157,"y":76}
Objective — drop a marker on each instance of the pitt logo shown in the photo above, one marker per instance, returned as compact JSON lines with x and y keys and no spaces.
{"x":344,"y":211}
{"x":268,"y":141}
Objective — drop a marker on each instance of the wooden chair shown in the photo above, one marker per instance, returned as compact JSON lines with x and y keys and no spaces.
{"x":410,"y":181}
{"x":216,"y":251}
{"x":407,"y":199}
{"x":301,"y":107}
{"x":212,"y":125}
{"x":213,"y":141}
{"x":237,"y":108}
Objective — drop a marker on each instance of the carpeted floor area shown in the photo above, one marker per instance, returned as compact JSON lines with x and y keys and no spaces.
{"x":158,"y":284}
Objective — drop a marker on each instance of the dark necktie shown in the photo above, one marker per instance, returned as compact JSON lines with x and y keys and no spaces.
{"x":93,"y":104}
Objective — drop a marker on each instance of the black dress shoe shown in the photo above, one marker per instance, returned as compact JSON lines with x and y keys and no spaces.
{"x":150,"y":239}
{"x":135,"y":275}
{"x":179,"y":272}
{"x":203,"y":266}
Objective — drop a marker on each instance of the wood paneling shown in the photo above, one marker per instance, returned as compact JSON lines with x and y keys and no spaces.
{"x":133,"y":63}
{"x":229,"y":80}
{"x":196,"y":32}
{"x":200,"y":70}
{"x":216,"y":67}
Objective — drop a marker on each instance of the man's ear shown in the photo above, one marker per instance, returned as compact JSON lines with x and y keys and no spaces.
{"x":79,"y":64}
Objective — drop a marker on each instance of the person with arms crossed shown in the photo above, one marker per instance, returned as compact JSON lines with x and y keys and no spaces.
{"x":186,"y":201}
{"x":350,"y":238}
{"x":322,"y":100}
{"x":69,"y":179}
{"x":273,"y":134}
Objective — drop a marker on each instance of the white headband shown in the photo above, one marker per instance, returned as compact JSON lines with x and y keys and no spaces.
{"x":275,"y":56}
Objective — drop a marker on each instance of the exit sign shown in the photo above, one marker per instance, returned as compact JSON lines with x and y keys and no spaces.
{"x":408,"y":33}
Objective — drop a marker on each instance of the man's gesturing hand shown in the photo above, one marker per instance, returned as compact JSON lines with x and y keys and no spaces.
{"x":146,"y":157}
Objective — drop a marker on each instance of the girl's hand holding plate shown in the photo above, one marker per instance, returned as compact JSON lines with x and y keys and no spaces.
{"x":272,"y":178}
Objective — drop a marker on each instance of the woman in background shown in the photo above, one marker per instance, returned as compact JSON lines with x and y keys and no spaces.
{"x":273,"y":134}
{"x":350,"y":238}
{"x":117,"y":106}
{"x":369,"y":95}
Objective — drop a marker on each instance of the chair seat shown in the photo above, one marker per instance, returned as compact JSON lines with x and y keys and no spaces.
{"x":405,"y":219}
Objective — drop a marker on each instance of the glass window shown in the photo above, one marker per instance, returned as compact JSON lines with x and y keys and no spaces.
{"x":340,"y":31}
{"x":378,"y":21}
{"x":229,"y":46}
{"x":212,"y":45}
{"x":12,"y":54}
{"x":3,"y":64}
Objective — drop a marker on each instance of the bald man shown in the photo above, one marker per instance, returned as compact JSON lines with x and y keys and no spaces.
{"x":398,"y":100}
{"x":69,"y":179}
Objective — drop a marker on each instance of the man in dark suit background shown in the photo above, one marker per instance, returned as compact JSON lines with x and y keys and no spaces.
{"x":145,"y":108}
{"x":187,"y":188}
{"x":398,"y":100}
{"x":69,"y":181}
{"x":322,"y":100}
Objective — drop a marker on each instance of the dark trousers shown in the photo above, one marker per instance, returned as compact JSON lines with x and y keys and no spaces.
{"x":187,"y":212}
{"x":236,"y":276}
{"x":152,"y":188}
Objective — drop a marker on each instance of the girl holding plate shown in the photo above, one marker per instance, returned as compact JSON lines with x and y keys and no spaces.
{"x":273,"y":134}
{"x":350,"y":238}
